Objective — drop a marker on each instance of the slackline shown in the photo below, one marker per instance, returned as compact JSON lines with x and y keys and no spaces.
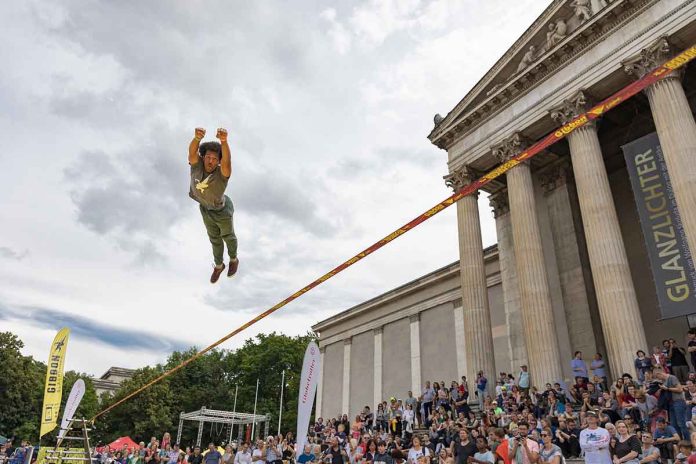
{"x":595,"y":112}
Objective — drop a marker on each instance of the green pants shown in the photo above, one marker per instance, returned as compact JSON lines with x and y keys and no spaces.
{"x":220,"y":229}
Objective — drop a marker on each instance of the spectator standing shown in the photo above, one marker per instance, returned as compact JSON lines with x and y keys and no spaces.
{"x":598,"y":369}
{"x":642,"y":364}
{"x":691,"y":346}
{"x":481,"y":383}
{"x":523,"y":380}
{"x":427,"y":398}
{"x":578,"y":366}
{"x":677,"y":357}
{"x":675,"y":399}
{"x":594,"y":441}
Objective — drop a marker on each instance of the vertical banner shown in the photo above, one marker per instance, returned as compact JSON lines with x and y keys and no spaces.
{"x":76,"y":394}
{"x":53,"y":390}
{"x":665,"y":239}
{"x":308,"y":389}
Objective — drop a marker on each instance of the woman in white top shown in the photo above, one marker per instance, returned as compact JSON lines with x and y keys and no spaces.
{"x":409,"y":416}
{"x":417,"y":451}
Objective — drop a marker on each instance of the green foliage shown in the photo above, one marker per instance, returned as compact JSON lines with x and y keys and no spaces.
{"x":209,"y":381}
{"x":21,"y":391}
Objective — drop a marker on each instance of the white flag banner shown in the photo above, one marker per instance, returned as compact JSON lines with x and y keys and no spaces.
{"x":76,"y":394}
{"x":308,"y":388}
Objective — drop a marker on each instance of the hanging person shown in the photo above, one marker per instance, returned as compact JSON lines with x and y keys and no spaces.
{"x":211,"y":167}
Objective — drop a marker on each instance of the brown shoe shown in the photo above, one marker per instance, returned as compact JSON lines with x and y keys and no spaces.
{"x":216,"y":273}
{"x":232,"y":270}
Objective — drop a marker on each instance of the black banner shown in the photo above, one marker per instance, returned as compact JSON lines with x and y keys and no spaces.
{"x":670,"y":258}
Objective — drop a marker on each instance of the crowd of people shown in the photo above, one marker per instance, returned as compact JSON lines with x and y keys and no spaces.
{"x":11,"y":454}
{"x":644,"y":417}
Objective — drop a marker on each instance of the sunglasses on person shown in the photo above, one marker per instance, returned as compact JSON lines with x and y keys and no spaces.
{"x":544,"y":434}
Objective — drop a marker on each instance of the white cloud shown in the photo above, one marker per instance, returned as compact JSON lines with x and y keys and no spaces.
{"x":328,"y":110}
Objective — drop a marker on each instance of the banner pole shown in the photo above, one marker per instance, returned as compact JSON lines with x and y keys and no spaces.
{"x":256,"y":397}
{"x":280,"y":409}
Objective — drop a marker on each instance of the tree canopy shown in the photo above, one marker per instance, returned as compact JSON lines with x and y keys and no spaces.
{"x":209,"y":381}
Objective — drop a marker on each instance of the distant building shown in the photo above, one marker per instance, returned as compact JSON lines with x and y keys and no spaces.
{"x":111,"y":380}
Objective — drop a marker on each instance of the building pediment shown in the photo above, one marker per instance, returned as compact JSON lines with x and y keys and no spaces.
{"x":560,"y":33}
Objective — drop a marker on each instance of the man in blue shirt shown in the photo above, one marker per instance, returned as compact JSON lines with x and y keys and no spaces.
{"x":213,"y":456}
{"x":578,"y":366}
{"x":666,"y":439}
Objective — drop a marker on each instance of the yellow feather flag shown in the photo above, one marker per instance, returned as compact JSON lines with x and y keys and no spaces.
{"x":53,"y":390}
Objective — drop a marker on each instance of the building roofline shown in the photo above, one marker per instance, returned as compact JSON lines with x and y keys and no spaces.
{"x":400,"y":291}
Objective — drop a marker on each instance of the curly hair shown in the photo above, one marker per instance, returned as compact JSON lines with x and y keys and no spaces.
{"x":210,"y":146}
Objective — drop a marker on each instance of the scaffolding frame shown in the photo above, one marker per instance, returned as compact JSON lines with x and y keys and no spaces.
{"x":204,"y":415}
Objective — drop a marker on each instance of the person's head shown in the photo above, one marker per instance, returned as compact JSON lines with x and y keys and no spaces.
{"x":622,"y":428}
{"x":211,"y":152}
{"x":481,"y":444}
{"x":211,"y":446}
{"x":416,"y":441}
{"x":660,"y":374}
{"x":691,"y":334}
{"x":577,"y":355}
{"x":661,"y":423}
{"x":333,"y":441}
{"x":381,"y":447}
{"x":592,"y":418}
{"x":666,"y":343}
{"x":371,"y":446}
{"x":245,"y":446}
{"x":197,"y":450}
{"x":523,"y":429}
{"x":640,"y":353}
{"x":463,"y":434}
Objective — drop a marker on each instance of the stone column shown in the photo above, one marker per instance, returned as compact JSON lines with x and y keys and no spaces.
{"x":320,"y":382}
{"x":345,"y":404}
{"x":616,"y":297}
{"x":535,"y":296}
{"x":459,"y":342}
{"x":557,"y":185}
{"x":517,"y":346}
{"x":478,"y":336}
{"x":377,"y":389}
{"x":415,"y":353}
{"x":676,"y":129}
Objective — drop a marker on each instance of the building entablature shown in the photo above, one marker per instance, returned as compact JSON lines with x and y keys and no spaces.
{"x":596,"y":47}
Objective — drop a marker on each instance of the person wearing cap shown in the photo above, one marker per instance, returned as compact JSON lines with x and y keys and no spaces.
{"x":594,"y":441}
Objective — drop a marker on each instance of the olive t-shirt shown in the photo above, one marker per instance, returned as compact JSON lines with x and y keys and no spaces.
{"x":208,"y":189}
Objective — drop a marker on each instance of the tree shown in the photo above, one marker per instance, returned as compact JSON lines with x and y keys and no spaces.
{"x":21,"y":389}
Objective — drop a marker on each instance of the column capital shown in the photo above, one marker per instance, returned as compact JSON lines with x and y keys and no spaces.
{"x":378,"y":330}
{"x":555,"y":177}
{"x":348,"y":341}
{"x":500,"y":203}
{"x":571,"y":108}
{"x":460,"y":178}
{"x":414,"y":317}
{"x":511,"y":146}
{"x":649,"y":58}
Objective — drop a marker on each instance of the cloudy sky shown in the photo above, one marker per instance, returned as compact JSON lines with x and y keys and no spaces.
{"x":328,"y":105}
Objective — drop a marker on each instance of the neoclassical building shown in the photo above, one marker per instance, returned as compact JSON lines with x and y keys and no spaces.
{"x":571,"y":269}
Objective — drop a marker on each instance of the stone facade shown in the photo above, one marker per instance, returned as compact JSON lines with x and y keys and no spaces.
{"x":570,"y":271}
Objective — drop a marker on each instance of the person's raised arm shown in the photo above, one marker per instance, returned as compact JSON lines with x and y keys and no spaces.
{"x":193,"y":146}
{"x":226,"y":161}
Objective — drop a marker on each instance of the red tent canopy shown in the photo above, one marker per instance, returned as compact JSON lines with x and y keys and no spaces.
{"x":118,"y":444}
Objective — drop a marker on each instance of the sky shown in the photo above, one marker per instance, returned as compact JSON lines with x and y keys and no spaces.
{"x":328,"y":107}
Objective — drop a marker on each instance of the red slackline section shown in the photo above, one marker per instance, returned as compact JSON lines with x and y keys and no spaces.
{"x":595,"y":112}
